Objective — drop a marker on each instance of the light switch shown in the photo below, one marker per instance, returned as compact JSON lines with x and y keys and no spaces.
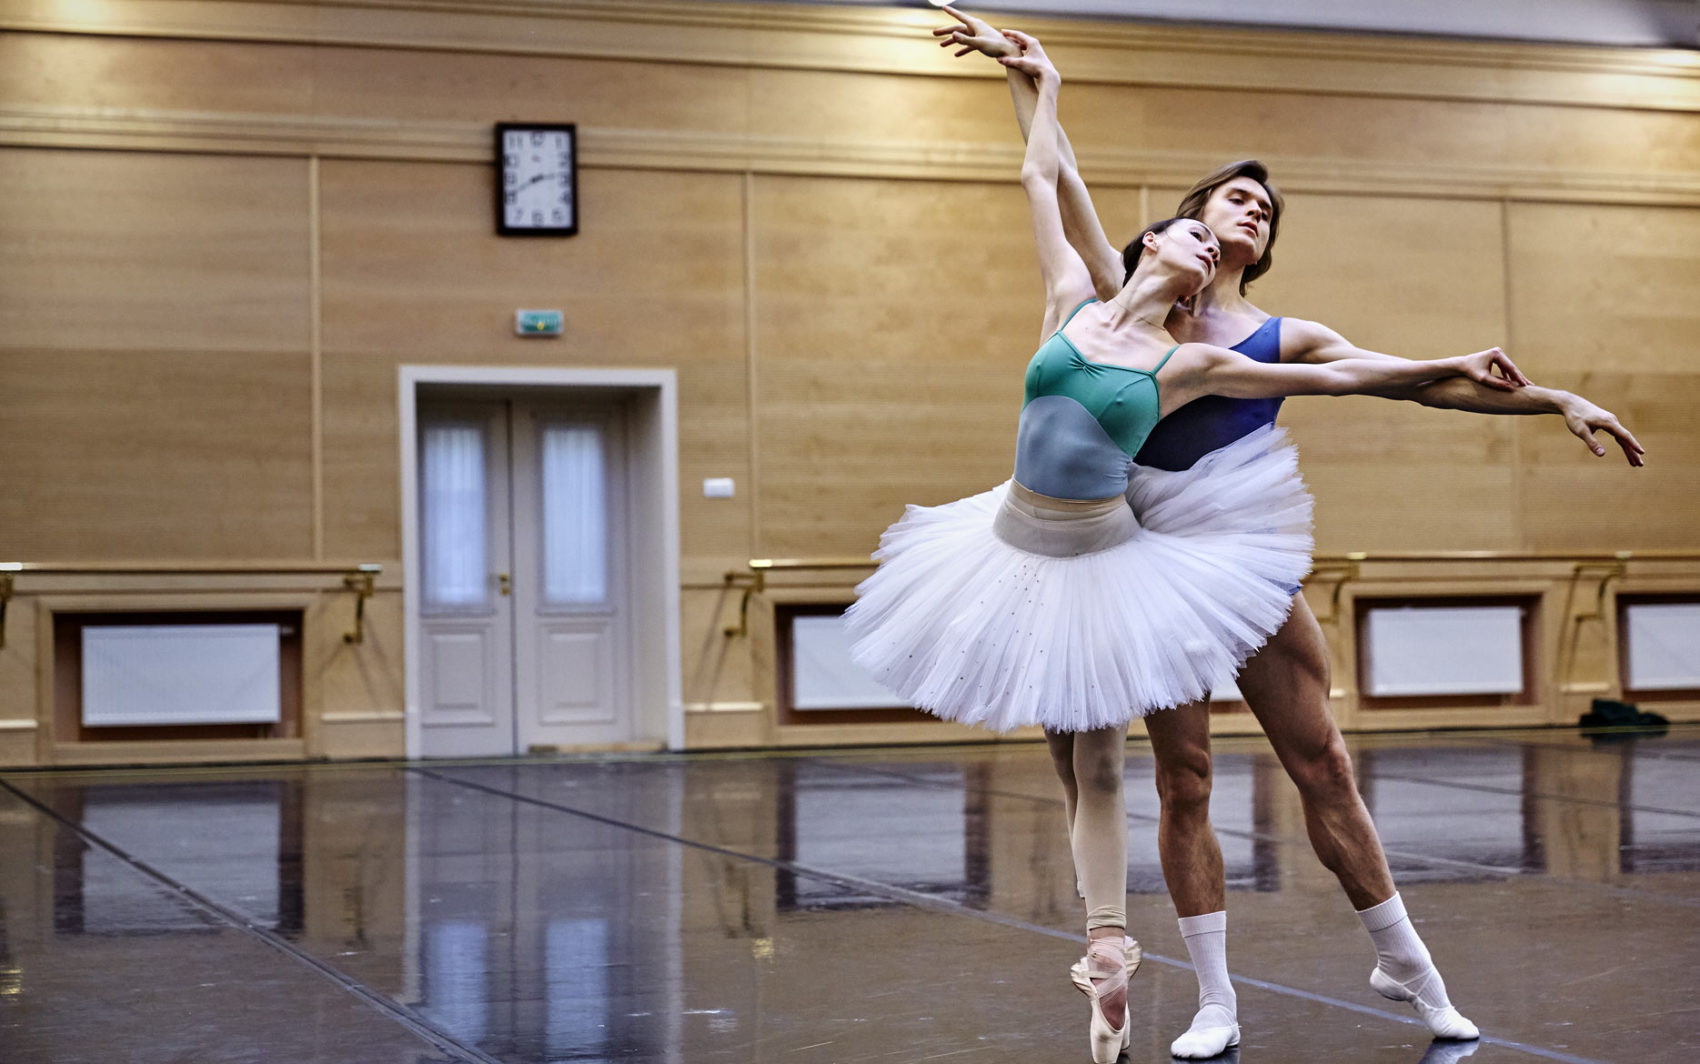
{"x":717,"y":488}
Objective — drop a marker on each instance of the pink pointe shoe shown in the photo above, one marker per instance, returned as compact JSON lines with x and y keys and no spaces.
{"x":1083,"y":983}
{"x":1108,"y":962}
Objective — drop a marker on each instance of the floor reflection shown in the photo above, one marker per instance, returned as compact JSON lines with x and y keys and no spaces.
{"x":831,"y":819}
{"x":708,"y":909}
{"x":252,"y":843}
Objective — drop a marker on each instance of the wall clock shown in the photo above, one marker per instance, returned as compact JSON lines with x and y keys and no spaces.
{"x":537,"y":186}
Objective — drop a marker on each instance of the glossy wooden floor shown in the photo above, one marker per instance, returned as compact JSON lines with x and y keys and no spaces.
{"x":868,"y":905}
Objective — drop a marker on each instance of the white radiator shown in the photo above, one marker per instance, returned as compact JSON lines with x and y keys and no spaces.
{"x":180,"y":674}
{"x":822,"y":674}
{"x":1462,"y":650}
{"x":1664,"y":646}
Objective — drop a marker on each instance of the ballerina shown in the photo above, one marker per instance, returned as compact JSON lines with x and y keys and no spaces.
{"x":1044,"y":601}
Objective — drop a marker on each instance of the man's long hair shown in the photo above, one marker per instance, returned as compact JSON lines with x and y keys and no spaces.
{"x":1192,"y":206}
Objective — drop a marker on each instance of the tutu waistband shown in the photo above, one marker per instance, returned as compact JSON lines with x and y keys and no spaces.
{"x":1025,"y":523}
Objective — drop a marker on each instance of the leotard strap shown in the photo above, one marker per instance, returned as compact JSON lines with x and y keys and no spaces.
{"x":1073,"y":312}
{"x":1161,"y":364}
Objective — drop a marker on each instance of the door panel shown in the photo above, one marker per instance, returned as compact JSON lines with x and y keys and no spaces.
{"x":461,"y":675}
{"x":570,"y":596}
{"x":466,"y":615}
{"x":575,"y":687}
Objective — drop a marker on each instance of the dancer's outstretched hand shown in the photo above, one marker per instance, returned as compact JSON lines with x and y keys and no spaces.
{"x":1032,"y":59}
{"x":1584,"y":419}
{"x":974,"y":35}
{"x":1480,"y":367}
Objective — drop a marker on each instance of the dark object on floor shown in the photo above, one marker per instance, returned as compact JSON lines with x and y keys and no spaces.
{"x":1608,"y":714}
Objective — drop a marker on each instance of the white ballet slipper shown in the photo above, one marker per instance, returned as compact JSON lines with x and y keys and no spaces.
{"x":1446,"y":1022}
{"x":1202,"y":1043}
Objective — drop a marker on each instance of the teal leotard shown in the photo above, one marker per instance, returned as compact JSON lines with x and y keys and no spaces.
{"x":1082,"y":421}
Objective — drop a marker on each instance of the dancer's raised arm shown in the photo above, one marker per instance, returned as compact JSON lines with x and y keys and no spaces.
{"x":1064,"y":274}
{"x":1080,"y":219}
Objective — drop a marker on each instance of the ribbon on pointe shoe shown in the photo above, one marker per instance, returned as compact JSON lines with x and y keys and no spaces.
{"x":1083,"y":982}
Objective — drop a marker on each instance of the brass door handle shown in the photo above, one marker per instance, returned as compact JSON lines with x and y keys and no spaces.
{"x":504,"y":583}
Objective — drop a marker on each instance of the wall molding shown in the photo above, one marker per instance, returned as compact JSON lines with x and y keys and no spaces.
{"x":331,"y":137}
{"x":895,"y":41}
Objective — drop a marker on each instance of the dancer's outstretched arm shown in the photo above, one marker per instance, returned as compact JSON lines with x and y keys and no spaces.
{"x":1064,"y":274}
{"x":1080,"y":219}
{"x":1203,"y":369}
{"x":1314,"y":343}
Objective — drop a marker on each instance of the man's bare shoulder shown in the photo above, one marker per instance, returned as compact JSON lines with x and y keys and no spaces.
{"x":1305,"y":340}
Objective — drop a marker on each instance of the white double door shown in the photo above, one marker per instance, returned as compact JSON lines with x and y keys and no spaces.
{"x":524,"y":611}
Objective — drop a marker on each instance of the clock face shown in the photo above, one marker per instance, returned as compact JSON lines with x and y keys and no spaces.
{"x":538,"y":190}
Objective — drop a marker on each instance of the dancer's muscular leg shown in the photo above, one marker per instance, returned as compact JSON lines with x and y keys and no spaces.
{"x":1286,"y":686}
{"x":1192,"y":859}
{"x":1192,"y":868}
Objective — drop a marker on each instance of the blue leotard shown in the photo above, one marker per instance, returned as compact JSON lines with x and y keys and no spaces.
{"x":1213,"y":421}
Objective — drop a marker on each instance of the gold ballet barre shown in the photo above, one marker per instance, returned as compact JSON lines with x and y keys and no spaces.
{"x":5,"y":597}
{"x":1577,"y":556}
{"x":361,"y":582}
{"x":753,"y":583}
{"x":223,"y":568}
{"x":1606,"y":572}
{"x":1570,"y":640}
{"x":779,"y":564}
{"x":1340,"y":574}
{"x":754,"y":580}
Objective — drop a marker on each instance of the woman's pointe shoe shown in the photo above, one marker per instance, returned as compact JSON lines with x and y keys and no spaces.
{"x":1083,"y":982}
{"x":1077,"y":974}
{"x":1105,"y":962}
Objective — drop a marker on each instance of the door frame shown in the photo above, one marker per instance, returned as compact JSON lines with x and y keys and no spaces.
{"x":656,"y":662}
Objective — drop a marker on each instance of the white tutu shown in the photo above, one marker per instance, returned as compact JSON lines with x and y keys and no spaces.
{"x":963,"y":623}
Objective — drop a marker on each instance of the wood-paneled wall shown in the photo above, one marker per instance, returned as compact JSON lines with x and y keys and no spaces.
{"x":223,"y":226}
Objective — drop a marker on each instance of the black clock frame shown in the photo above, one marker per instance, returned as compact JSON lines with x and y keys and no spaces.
{"x":502,"y":227}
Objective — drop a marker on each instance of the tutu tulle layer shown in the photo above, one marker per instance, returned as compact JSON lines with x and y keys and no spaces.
{"x":962,"y":623}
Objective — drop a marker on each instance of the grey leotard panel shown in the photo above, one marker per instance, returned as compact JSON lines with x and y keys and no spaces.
{"x":1061,"y":450}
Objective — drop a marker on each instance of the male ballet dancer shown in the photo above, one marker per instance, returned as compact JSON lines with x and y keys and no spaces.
{"x":1286,"y":684}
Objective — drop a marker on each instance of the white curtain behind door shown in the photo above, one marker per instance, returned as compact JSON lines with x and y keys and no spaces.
{"x":452,"y":493}
{"x":575,"y":515}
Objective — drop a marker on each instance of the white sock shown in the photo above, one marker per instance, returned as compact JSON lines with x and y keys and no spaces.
{"x":1401,"y":956}
{"x":1399,"y":950}
{"x":1207,"y":944}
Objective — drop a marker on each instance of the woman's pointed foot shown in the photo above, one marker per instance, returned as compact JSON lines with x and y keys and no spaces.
{"x":1106,"y":971}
